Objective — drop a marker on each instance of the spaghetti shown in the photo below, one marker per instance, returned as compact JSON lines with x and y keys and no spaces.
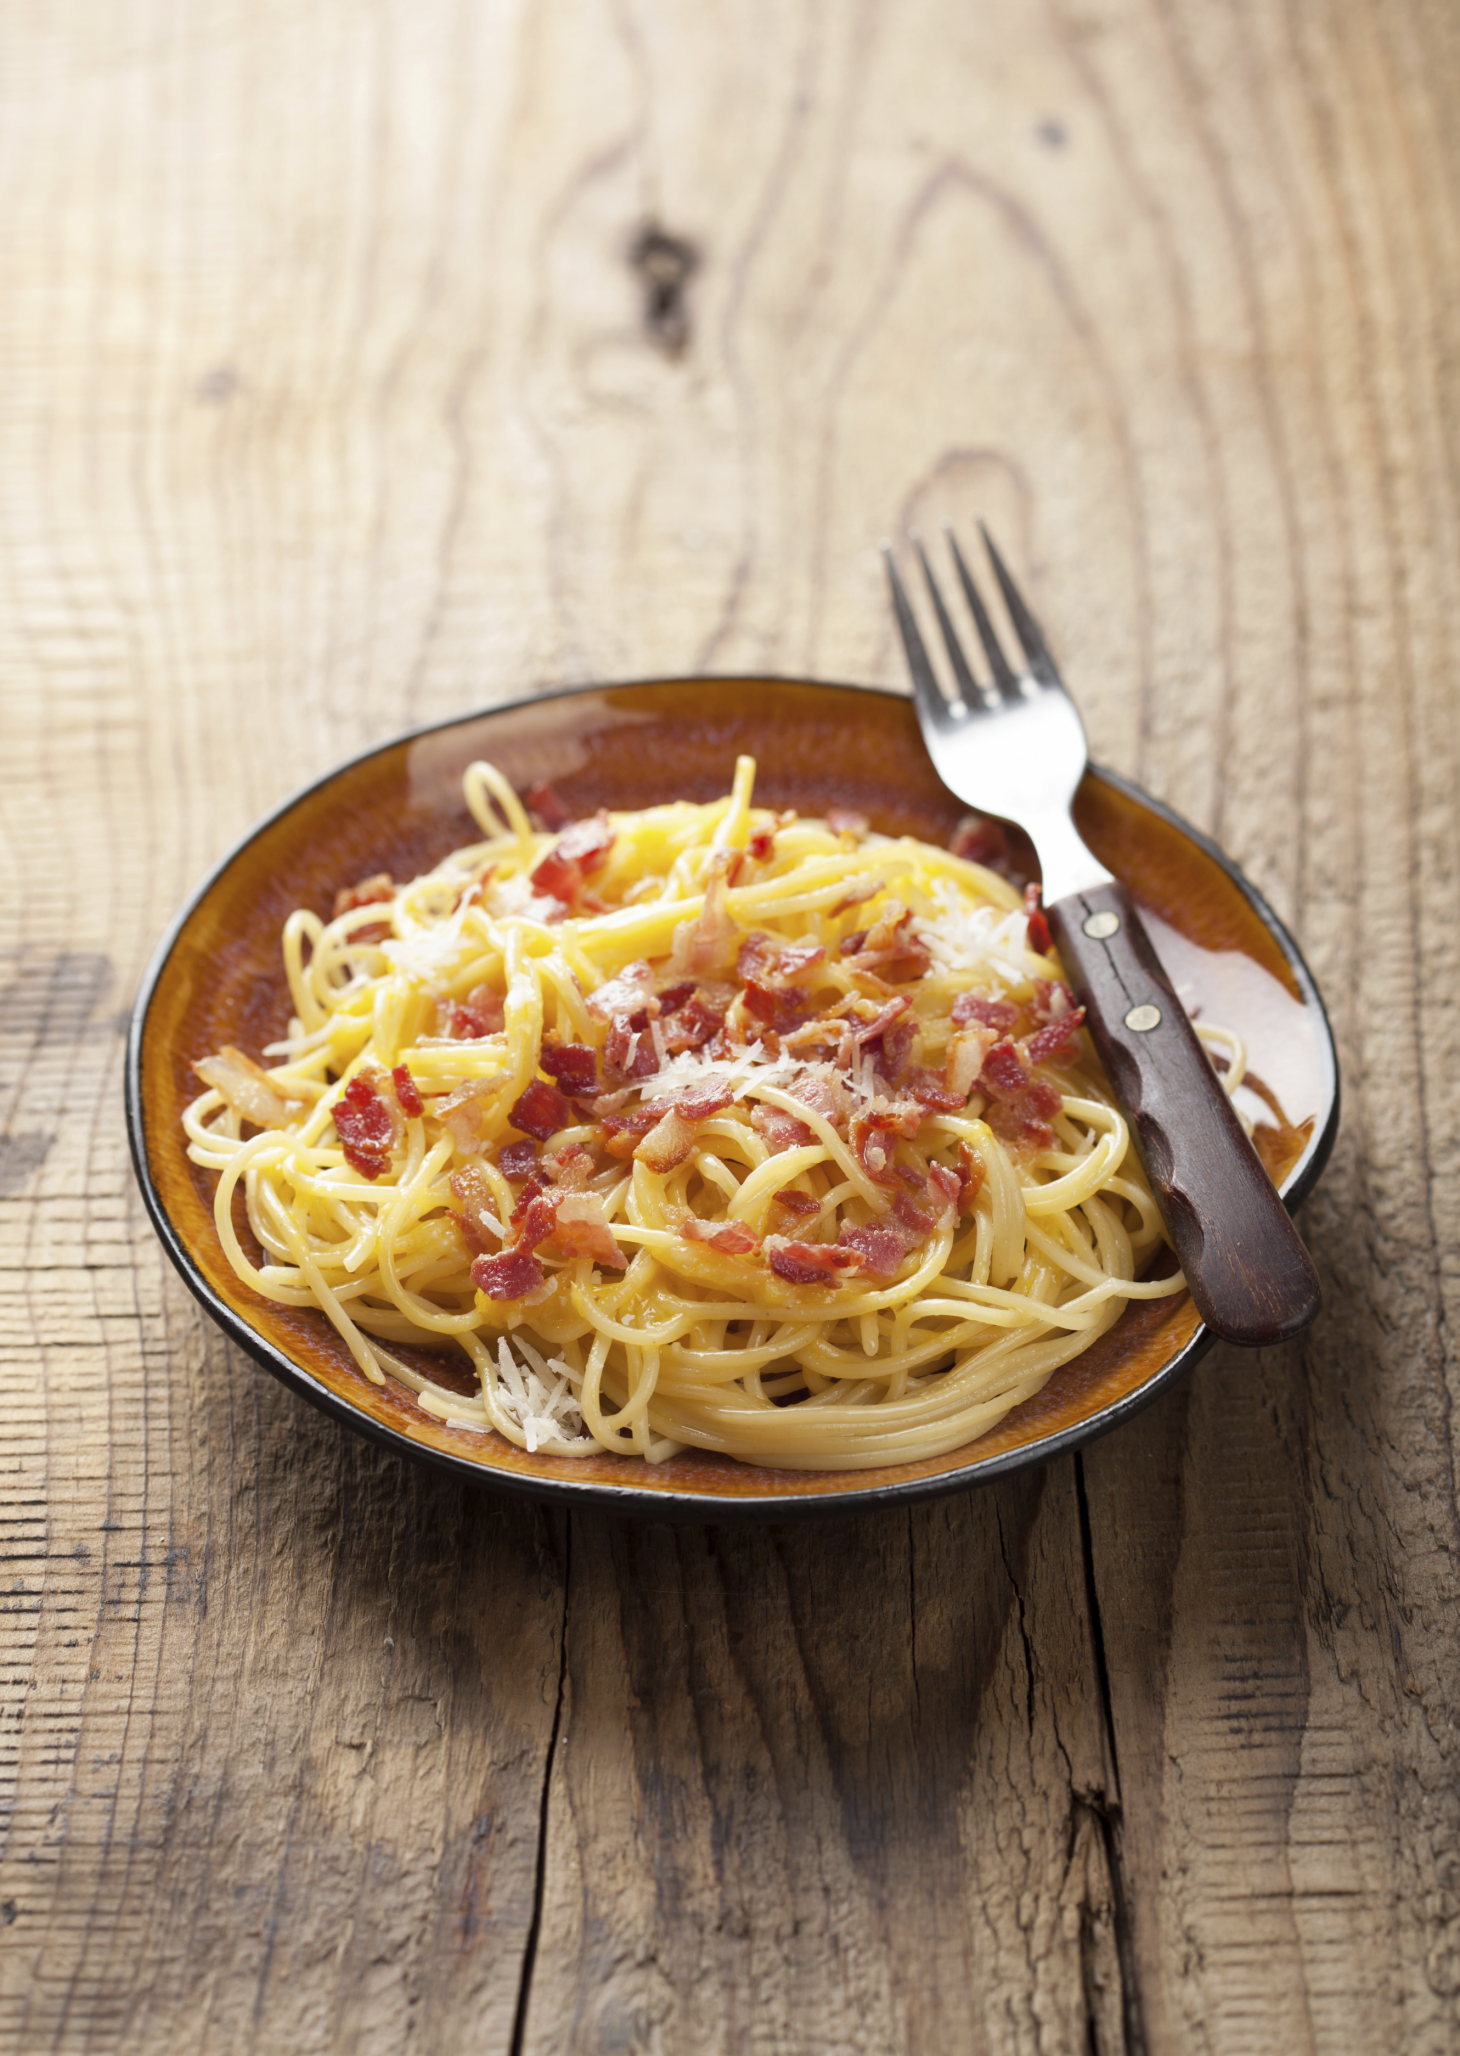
{"x":701,"y":1126}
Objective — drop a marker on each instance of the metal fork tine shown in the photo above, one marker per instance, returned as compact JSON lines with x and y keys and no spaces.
{"x":969,"y":688}
{"x":1005,"y":683}
{"x":932,"y":707}
{"x":1026,"y":627}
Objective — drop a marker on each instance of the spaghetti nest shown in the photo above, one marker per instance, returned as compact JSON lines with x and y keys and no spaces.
{"x":698,"y":1126}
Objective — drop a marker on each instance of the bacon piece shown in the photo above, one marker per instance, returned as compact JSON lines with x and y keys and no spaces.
{"x":889,"y":947}
{"x":874,"y":1136}
{"x":910,"y":1215}
{"x":668,"y":1143}
{"x":562,"y":871}
{"x":671,"y":998}
{"x":929,"y":1090}
{"x":809,"y":1263}
{"x":548,"y":808}
{"x":762,"y":842}
{"x":626,"y":993}
{"x":846,"y":821}
{"x":947,"y":1190}
{"x":541,"y":1110}
{"x":859,"y":894}
{"x":1039,"y":938}
{"x":629,"y":1051}
{"x":369,"y":893}
{"x":1052,"y":1000}
{"x":407,"y":1092}
{"x":482,"y":1012}
{"x":881,"y":1246}
{"x":822,"y":1090}
{"x":516,"y":1274}
{"x":964,"y":1059}
{"x":533,"y":1189}
{"x":1053,"y":1036}
{"x":622,"y":1132}
{"x":463,"y":1110}
{"x":476,"y":1219}
{"x":1003,"y":1070}
{"x":971,"y":1174}
{"x":981,"y":841}
{"x":366,"y":1125}
{"x":774,"y":1006}
{"x":538,"y":1218}
{"x":971,"y":1007}
{"x":571,"y":1168}
{"x":573,"y":1064}
{"x":701,"y":1102}
{"x":693,"y":1024}
{"x":247,"y":1088}
{"x":769,"y":959}
{"x":779,"y":1131}
{"x":707,"y":942}
{"x":731,"y":1238}
{"x":582,"y":1230}
{"x":517,"y":1160}
{"x":798,"y":1204}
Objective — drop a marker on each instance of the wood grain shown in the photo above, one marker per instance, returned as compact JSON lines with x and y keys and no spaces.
{"x":337,"y":391}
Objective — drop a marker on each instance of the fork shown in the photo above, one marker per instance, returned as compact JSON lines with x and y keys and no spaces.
{"x":1014,"y":746}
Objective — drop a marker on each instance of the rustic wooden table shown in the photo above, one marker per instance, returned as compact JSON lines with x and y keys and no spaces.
{"x":360,"y":365}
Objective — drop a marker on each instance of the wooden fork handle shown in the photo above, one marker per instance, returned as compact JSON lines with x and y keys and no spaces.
{"x":1251,"y":1278}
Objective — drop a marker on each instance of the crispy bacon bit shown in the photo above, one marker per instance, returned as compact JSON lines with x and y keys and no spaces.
{"x":1053,"y":1036}
{"x":1040,"y":940}
{"x":370,"y":892}
{"x":881,"y":1246}
{"x":626,"y":993}
{"x":673,"y":997}
{"x":629,"y":1051}
{"x":762,"y":842}
{"x":476,"y":1218}
{"x":822,"y":1090}
{"x":582,"y":1230}
{"x":873,"y":1030}
{"x":571,"y":1168}
{"x":980,"y":841}
{"x":874,"y":1136}
{"x":970,"y":1007}
{"x":622,"y":1132}
{"x":407,"y":1091}
{"x":548,"y":808}
{"x":541,"y":1111}
{"x":947,"y":1190}
{"x":774,"y":1006}
{"x":1052,"y":1000}
{"x":533,"y":1189}
{"x":668,"y":1142}
{"x":1003,"y":1070}
{"x":516,"y":1274}
{"x":366,"y":1126}
{"x":693,"y":1024}
{"x":247,"y":1088}
{"x":798,"y":1204}
{"x":779,"y":1131}
{"x":911,"y":1216}
{"x":971,"y":1176}
{"x":462,"y":1111}
{"x":768,"y":959}
{"x":671,"y":1139}
{"x":482,"y":1012}
{"x":809,"y":1263}
{"x":889,"y":947}
{"x":573,"y":1064}
{"x":708,"y":942}
{"x":964,"y":1059}
{"x":929,"y":1090}
{"x":846,"y":821}
{"x":867,"y":889}
{"x":731,"y":1238}
{"x":578,"y":852}
{"x":537,"y":1220}
{"x":517,"y":1160}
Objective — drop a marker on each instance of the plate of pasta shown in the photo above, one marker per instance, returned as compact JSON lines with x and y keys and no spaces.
{"x":664,"y":1095}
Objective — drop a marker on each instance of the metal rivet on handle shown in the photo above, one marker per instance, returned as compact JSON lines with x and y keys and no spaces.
{"x":1099,"y":926}
{"x":1142,"y":1019}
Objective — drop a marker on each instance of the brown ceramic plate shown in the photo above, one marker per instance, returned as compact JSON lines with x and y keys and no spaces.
{"x":218,"y":978}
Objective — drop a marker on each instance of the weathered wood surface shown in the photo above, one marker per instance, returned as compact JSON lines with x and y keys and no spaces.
{"x":333,"y":396}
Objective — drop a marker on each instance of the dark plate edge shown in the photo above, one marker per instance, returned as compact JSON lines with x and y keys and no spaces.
{"x":630,"y":1500}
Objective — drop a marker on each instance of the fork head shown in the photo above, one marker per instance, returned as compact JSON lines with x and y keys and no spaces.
{"x":1012,"y":743}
